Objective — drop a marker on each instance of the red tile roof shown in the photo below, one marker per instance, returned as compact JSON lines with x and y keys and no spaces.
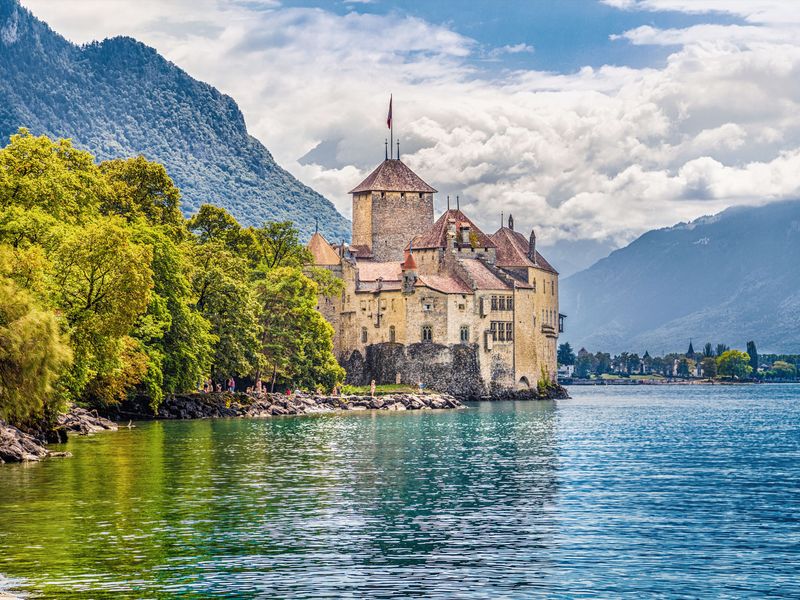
{"x":393,"y":176}
{"x":512,"y":251}
{"x":436,"y":236}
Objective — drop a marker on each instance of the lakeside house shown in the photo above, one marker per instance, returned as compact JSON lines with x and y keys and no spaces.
{"x":437,"y":302}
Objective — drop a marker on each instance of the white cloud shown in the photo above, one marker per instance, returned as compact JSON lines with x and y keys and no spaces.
{"x":599,"y":154}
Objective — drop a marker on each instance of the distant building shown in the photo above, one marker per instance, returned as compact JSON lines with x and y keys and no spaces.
{"x":437,"y":302}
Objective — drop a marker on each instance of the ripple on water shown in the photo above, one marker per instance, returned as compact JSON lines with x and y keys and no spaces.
{"x":620,"y":492}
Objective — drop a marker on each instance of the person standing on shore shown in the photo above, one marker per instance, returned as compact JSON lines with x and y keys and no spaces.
{"x":372,"y":388}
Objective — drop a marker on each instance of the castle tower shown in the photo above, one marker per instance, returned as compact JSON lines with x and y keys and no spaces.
{"x":390,"y":207}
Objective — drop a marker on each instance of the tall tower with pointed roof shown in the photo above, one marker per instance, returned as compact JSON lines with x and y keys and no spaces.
{"x":391,"y":206}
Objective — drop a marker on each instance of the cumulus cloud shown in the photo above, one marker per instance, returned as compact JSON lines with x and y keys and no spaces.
{"x":599,"y":154}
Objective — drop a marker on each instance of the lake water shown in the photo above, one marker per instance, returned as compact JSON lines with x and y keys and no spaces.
{"x":620,"y":492}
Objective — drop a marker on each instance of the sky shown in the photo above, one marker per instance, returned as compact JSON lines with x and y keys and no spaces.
{"x":591,"y":120}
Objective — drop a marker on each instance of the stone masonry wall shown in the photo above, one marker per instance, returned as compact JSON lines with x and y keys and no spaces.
{"x":452,"y":369}
{"x":396,"y":218}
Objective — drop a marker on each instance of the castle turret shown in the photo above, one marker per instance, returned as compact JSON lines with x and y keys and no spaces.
{"x":390,"y":207}
{"x":532,"y":247}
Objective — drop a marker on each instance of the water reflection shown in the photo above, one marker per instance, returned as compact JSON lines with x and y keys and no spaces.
{"x":614,"y":493}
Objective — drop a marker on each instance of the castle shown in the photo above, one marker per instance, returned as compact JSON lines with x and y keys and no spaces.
{"x":439,"y":303}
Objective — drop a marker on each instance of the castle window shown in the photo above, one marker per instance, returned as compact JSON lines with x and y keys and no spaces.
{"x":402,"y":195}
{"x":501,"y":302}
{"x":502,"y":331}
{"x":427,"y":306}
{"x":462,"y":306}
{"x":464,"y":334}
{"x":534,"y":286}
{"x":427,"y":333}
{"x":510,"y":303}
{"x":364,"y":305}
{"x":363,"y":335}
{"x":420,"y":194}
{"x":392,"y":334}
{"x":494,"y":302}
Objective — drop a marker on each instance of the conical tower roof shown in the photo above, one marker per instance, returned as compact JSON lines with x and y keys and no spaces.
{"x":322,"y":251}
{"x":392,"y":175}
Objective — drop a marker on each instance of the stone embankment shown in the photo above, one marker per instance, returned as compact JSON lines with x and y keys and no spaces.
{"x":552,"y":392}
{"x":195,"y":406}
{"x":18,"y":446}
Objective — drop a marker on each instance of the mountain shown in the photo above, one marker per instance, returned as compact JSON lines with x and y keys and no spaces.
{"x":120,"y":98}
{"x":729,"y":278}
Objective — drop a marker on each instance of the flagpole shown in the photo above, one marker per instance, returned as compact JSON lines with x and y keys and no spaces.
{"x":391,"y":128}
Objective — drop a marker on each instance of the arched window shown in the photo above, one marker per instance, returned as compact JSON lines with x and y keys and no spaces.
{"x":427,"y":333}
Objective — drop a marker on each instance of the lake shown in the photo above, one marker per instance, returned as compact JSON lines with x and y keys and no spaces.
{"x":669,"y":491}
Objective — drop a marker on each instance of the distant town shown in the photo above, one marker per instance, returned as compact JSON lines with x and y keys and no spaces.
{"x":710,"y":363}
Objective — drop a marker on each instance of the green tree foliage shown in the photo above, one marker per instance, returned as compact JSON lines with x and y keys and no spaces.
{"x":52,"y":176}
{"x":734,"y":364}
{"x":583,"y":364}
{"x":708,"y":350}
{"x":565,"y":354}
{"x":296,"y":341}
{"x":782,"y":370}
{"x":721,"y":349}
{"x":101,"y":282}
{"x":279,"y":246}
{"x":99,"y":270}
{"x":142,"y":189}
{"x":33,"y":354}
{"x":753,"y":353}
{"x":709,"y":366}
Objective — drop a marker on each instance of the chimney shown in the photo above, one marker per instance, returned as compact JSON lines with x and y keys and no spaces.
{"x":532,"y":247}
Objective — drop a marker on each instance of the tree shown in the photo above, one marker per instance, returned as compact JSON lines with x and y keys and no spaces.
{"x":734,"y":364}
{"x":101,"y":282}
{"x":142,"y":189}
{"x":602,"y":363}
{"x":721,"y":349}
{"x":709,"y":366}
{"x":53,"y":176}
{"x":783,"y":370}
{"x":279,"y":246}
{"x":708,"y":350}
{"x":753,"y":353}
{"x":583,"y":364}
{"x":683,"y":368}
{"x":296,"y":342}
{"x":223,"y":295}
{"x":565,"y":354}
{"x":33,"y":355}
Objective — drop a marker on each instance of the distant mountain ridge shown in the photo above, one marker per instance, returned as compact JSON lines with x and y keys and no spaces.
{"x":120,"y":98}
{"x":727,"y":278}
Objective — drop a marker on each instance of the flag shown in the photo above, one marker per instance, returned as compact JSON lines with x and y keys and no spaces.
{"x":389,"y":118}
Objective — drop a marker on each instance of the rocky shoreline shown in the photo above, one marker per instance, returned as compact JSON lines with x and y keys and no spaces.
{"x":226,"y":404}
{"x":19,"y":446}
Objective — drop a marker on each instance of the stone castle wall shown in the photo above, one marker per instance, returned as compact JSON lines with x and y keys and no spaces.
{"x":452,"y":369}
{"x":396,"y":218}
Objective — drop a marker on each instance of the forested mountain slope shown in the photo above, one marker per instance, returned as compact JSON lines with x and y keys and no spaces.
{"x":729,"y":278}
{"x":119,"y":98}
